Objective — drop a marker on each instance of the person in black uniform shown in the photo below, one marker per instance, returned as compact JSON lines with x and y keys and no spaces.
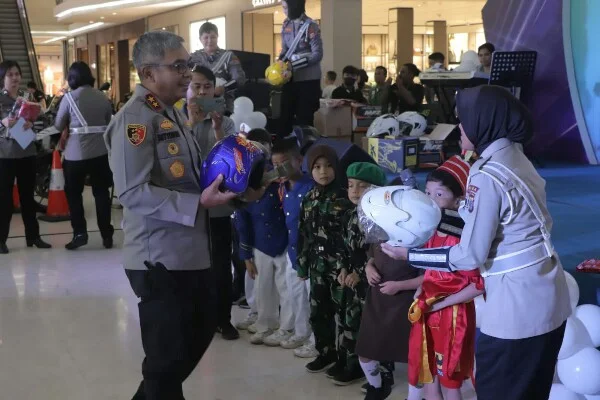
{"x":15,"y":162}
{"x":303,"y":47}
{"x":348,"y":90}
{"x":405,"y":94}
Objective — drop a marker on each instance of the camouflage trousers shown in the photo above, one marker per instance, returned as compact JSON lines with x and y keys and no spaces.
{"x":335,"y":314}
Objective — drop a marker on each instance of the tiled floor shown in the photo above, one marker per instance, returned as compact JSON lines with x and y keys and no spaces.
{"x":69,"y":330}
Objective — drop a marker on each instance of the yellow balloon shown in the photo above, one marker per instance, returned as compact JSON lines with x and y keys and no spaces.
{"x":278,"y":73}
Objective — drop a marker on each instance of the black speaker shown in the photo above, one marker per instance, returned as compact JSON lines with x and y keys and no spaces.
{"x":347,"y":152}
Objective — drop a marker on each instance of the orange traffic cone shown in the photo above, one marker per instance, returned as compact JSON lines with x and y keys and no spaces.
{"x":16,"y":202}
{"x":58,"y":208}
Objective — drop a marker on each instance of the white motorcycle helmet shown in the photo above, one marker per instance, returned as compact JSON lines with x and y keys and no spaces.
{"x":411,"y":123}
{"x":408,"y":216}
{"x":385,"y":125}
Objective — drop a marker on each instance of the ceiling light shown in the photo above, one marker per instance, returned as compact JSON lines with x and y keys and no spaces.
{"x":114,"y":13}
{"x":56,"y":39}
{"x":91,"y":7}
{"x":101,"y":17}
{"x":91,"y":22}
{"x":164,"y":29}
{"x":85,"y":28}
{"x":49,"y":32}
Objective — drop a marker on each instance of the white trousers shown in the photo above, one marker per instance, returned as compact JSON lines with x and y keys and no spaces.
{"x":271,"y":292}
{"x":249,"y":290}
{"x":300,"y":297}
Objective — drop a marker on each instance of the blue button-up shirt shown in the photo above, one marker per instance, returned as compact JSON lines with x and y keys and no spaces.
{"x":261,"y":226}
{"x":292,"y":207}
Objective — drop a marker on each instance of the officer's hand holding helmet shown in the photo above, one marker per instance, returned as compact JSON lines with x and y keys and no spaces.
{"x":279,"y":73}
{"x":242,"y":165}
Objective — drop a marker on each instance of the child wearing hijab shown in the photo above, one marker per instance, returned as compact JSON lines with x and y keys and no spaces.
{"x":442,"y":338}
{"x":507,"y":236}
{"x":361,"y":176}
{"x":319,"y":248}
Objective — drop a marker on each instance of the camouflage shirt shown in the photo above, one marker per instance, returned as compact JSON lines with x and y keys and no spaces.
{"x":354,"y":257}
{"x":320,"y":242}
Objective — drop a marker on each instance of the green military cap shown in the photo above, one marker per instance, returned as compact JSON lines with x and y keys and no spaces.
{"x":367,"y":172}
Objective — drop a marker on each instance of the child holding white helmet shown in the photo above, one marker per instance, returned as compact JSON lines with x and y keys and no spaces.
{"x":442,"y":339}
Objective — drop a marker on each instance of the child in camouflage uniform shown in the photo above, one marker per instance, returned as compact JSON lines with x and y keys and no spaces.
{"x":319,"y":247}
{"x":352,"y":263}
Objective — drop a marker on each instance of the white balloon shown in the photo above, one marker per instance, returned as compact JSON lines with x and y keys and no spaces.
{"x":589,"y":315}
{"x":479,"y":304}
{"x":573,"y":290}
{"x":560,"y":392}
{"x":261,"y":119}
{"x":576,"y":338}
{"x":581,"y":372}
{"x":239,"y":119}
{"x":243,"y":105}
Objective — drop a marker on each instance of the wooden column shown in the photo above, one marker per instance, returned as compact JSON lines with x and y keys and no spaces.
{"x":401,"y":36}
{"x":440,"y":38}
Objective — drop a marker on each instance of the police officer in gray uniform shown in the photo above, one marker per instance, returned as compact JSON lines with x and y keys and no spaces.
{"x":303,"y":47}
{"x":507,"y":236}
{"x":15,"y":162}
{"x":156,"y":168}
{"x":87,"y":112}
{"x":223,"y":63}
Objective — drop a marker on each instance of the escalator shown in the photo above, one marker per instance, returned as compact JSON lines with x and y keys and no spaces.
{"x":16,"y":43}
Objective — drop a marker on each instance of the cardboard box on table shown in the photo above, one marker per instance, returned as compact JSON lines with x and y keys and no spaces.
{"x":431,"y":146}
{"x":393,"y":155}
{"x":334,"y":118}
{"x":363,"y":116}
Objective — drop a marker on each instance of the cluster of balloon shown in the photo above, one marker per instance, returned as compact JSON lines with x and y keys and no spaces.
{"x":578,"y":366}
{"x":245,"y":118}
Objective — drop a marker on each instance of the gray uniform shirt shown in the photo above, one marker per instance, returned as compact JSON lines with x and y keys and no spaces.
{"x":97,"y":111}
{"x":156,"y":168}
{"x":527,"y":302}
{"x":9,"y":148}
{"x":311,"y":47}
{"x":205,"y":136}
{"x":230,"y":71}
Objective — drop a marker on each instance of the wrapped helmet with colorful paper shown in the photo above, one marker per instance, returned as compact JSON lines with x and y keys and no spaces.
{"x":384,"y":125}
{"x":240,"y":161}
{"x":411,"y":123}
{"x":398,"y":215}
{"x":279,"y":73}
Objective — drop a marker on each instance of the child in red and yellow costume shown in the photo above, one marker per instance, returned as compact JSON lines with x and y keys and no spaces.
{"x":442,"y":339}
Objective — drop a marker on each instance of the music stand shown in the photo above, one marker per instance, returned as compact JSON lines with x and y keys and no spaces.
{"x":514,"y":70}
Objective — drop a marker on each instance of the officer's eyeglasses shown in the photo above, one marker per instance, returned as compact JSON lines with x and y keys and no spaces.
{"x":180,"y":67}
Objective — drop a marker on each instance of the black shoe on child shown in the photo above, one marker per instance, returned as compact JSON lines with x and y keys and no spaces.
{"x":387,"y":376}
{"x":337,"y":369}
{"x":378,"y":393}
{"x":228,"y":332}
{"x":321,"y":363}
{"x":348,"y":376}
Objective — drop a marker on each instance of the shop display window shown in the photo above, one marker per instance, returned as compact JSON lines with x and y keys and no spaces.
{"x":195,"y":44}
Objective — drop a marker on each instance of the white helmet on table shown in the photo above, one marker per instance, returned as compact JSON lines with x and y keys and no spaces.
{"x":384,"y":125}
{"x":408,"y":216}
{"x":411,"y":123}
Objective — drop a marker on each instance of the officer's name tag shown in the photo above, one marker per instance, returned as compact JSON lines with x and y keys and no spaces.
{"x":161,"y":137}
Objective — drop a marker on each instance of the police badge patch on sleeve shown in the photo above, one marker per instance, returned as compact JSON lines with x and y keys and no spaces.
{"x":470,"y":197}
{"x":136,"y":134}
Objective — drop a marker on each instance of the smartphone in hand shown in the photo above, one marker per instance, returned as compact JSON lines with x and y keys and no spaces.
{"x":211,"y":104}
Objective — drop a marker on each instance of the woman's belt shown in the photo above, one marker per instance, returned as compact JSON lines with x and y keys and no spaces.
{"x":87,"y":129}
{"x":518,"y":260}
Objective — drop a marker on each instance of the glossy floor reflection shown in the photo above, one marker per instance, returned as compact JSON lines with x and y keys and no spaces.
{"x":69,"y":330}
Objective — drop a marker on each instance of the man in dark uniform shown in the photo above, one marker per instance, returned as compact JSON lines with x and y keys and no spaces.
{"x":155,"y":162}
{"x":303,"y":48}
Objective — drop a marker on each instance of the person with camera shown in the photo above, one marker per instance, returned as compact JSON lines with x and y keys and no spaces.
{"x":209,"y":125}
{"x":16,"y":162}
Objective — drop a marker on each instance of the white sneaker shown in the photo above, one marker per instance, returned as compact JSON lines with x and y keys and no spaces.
{"x":245,"y":324}
{"x":294,"y":342}
{"x":252,"y":328}
{"x":306,"y":351}
{"x":259,"y":337}
{"x":279,"y":336}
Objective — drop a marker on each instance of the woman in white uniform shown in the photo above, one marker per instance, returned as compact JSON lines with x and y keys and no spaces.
{"x":507,"y":236}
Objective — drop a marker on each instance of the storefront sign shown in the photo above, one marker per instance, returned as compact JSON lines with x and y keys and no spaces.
{"x":263,"y":3}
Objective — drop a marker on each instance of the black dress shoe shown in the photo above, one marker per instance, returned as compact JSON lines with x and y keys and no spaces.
{"x":77,"y":242}
{"x":228,"y":332}
{"x":107,"y":242}
{"x":3,"y":248}
{"x":39,"y":243}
